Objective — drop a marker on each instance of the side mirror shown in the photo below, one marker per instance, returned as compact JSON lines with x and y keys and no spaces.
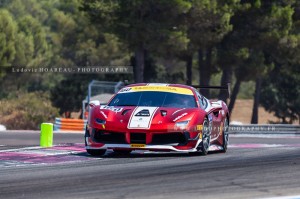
{"x":94,"y":103}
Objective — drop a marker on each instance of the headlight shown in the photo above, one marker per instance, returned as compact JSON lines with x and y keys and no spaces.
{"x":182,"y":124}
{"x":99,"y":121}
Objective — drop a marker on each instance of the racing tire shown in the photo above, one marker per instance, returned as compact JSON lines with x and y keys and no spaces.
{"x":93,"y":152}
{"x":225,"y":135}
{"x":122,"y":152}
{"x":96,"y":152}
{"x":203,"y":147}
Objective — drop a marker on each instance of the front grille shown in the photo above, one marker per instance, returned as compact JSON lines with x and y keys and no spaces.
{"x":168,"y":138}
{"x":138,"y":138}
{"x":109,"y":137}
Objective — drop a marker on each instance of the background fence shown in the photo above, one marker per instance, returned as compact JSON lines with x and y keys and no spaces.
{"x":265,"y":129}
{"x":102,"y":91}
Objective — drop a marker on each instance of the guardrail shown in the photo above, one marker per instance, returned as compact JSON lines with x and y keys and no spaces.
{"x":264,"y":129}
{"x":66,"y":124}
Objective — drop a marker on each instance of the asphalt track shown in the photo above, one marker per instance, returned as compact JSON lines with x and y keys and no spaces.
{"x":253,"y":167}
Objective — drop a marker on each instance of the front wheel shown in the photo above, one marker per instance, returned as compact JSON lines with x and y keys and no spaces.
{"x":225,"y":135}
{"x":203,"y":147}
{"x":93,"y":152}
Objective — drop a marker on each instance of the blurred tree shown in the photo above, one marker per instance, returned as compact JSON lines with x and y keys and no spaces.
{"x":27,"y":111}
{"x":281,"y":13}
{"x":242,"y":37}
{"x":142,"y":25}
{"x":77,"y":42}
{"x":258,"y":25}
{"x":208,"y":22}
{"x":32,"y":47}
{"x":57,"y":34}
{"x":280,"y":92}
{"x":8,"y":31}
{"x":63,"y":95}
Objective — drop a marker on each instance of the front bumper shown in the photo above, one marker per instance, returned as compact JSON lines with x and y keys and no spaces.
{"x":153,"y":141}
{"x":145,"y":147}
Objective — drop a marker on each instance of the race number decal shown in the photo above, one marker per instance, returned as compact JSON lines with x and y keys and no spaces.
{"x":141,"y":118}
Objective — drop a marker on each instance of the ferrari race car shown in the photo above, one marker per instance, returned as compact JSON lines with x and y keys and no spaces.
{"x":157,"y":117}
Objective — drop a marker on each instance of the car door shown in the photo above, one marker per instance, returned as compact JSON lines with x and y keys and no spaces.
{"x":216,"y":115}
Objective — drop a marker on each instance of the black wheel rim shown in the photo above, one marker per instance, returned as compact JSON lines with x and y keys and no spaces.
{"x":226,"y":135}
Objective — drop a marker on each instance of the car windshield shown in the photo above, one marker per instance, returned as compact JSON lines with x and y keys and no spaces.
{"x":154,"y":99}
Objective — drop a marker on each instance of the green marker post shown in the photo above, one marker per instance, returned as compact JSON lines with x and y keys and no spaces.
{"x":46,"y":139}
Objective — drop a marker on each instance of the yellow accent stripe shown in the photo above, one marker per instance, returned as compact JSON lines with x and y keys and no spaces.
{"x":163,"y":89}
{"x":200,"y":136}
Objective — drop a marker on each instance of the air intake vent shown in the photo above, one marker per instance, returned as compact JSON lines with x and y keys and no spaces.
{"x":163,"y":113}
{"x":125,"y":111}
{"x":138,"y":138}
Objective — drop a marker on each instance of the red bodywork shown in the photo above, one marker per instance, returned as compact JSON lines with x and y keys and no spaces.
{"x":162,"y":134}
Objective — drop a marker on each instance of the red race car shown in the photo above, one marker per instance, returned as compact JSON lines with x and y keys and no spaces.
{"x":157,"y":117}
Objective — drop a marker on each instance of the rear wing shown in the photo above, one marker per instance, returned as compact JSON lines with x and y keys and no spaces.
{"x":227,"y":87}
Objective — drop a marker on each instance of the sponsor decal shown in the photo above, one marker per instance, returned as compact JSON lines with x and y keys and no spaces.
{"x":111,"y":108}
{"x":124,"y":90}
{"x":157,"y":84}
{"x":179,"y":117}
{"x":137,"y":145}
{"x":199,"y":127}
{"x":216,"y":104}
{"x":141,"y":117}
{"x":163,"y":89}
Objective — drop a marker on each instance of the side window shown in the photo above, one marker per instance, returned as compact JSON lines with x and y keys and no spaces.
{"x":203,"y":102}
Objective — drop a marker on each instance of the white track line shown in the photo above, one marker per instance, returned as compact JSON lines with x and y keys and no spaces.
{"x":35,"y":147}
{"x":284,"y":197}
{"x":21,"y":149}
